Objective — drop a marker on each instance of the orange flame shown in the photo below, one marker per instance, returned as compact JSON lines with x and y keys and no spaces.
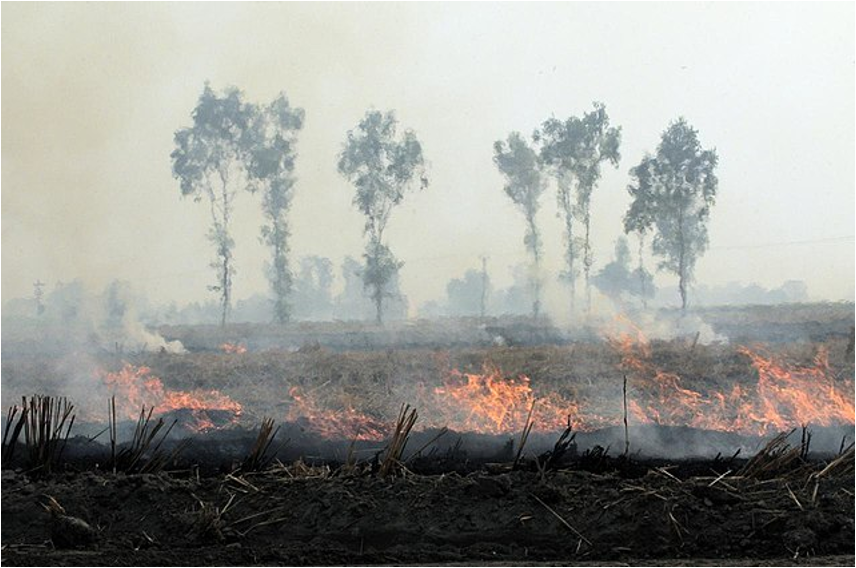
{"x":235,"y":348}
{"x":789,"y":396}
{"x":782,"y":397}
{"x":342,"y":423}
{"x":493,"y":404}
{"x":467,"y":402}
{"x":777,"y":397}
{"x":484,"y":403}
{"x":135,"y":387}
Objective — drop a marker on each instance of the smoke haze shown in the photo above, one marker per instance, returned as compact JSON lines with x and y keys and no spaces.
{"x":92,"y":94}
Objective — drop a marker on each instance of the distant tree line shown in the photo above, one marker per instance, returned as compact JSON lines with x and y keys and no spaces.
{"x":234,"y":146}
{"x":672,"y":193}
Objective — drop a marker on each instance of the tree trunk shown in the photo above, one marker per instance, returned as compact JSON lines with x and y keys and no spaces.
{"x":565,"y":203}
{"x":642,"y":271}
{"x":281,"y":283}
{"x":483,"y":303}
{"x":224,"y":283}
{"x":281,"y":293}
{"x":682,"y":270}
{"x":225,"y":250}
{"x":682,"y":255}
{"x":378,"y":299}
{"x":573,"y":285}
{"x":587,"y":260}
{"x":535,"y":247}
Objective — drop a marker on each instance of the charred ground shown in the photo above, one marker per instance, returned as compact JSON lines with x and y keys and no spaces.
{"x":461,"y":498}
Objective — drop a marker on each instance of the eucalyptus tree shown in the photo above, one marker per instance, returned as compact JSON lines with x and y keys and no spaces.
{"x":673,"y":192}
{"x":519,"y":164}
{"x":382,"y":165}
{"x":271,"y":155}
{"x":573,"y":151}
{"x":208,"y":160}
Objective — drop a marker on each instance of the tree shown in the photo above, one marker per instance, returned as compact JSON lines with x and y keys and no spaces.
{"x":573,"y":150}
{"x":39,"y":295}
{"x":382,"y":166}
{"x":208,"y":160}
{"x":639,"y":219}
{"x":271,"y":156}
{"x":673,"y":192}
{"x":616,"y":279}
{"x":519,"y":164}
{"x":354,"y":302}
{"x":313,"y":288}
{"x":466,"y":296}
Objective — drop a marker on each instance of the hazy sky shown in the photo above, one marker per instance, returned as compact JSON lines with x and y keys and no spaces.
{"x":92,"y":94}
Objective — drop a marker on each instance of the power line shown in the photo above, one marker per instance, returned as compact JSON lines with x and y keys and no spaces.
{"x":788,"y":243}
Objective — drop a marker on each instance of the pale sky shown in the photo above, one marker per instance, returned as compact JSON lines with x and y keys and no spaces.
{"x":92,"y":94}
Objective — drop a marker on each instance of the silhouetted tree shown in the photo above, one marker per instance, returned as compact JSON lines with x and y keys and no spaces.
{"x":466,"y":296}
{"x":312,"y":290}
{"x":354,"y":302}
{"x":616,"y":279}
{"x":39,"y":295}
{"x":638,"y":219}
{"x":271,"y":153}
{"x":208,"y":161}
{"x":573,"y":150}
{"x":673,"y":191}
{"x":382,"y":166}
{"x":519,"y":164}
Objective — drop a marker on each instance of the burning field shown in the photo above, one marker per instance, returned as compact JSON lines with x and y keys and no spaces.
{"x":617,"y":448}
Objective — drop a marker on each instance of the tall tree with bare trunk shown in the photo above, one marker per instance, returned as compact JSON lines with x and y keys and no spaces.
{"x":272,"y":153}
{"x":673,"y":192}
{"x":382,"y":167}
{"x":208,"y":160}
{"x":573,"y":151}
{"x":519,"y":165}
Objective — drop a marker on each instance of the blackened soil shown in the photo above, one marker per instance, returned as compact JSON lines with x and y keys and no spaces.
{"x":301,"y":515}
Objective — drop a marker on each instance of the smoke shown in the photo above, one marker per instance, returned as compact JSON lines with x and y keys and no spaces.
{"x":121,"y":321}
{"x":75,"y":318}
{"x":661,"y":325}
{"x":134,"y":333}
{"x":667,"y":326}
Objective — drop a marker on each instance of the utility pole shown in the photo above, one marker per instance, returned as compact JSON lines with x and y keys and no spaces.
{"x":483,"y":310}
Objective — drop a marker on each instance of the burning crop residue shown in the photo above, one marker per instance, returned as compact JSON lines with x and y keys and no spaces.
{"x":767,"y":397}
{"x":233,"y":348}
{"x":777,"y":397}
{"x":135,"y":387}
{"x":491,"y":403}
{"x":790,"y":395}
{"x":343,"y":423}
{"x":760,"y":394}
{"x":486,"y":403}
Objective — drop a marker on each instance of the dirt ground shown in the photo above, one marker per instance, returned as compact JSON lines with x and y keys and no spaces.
{"x":377,"y":383}
{"x":302,"y":515}
{"x":586,"y":512}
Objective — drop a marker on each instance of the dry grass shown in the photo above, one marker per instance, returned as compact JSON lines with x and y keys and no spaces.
{"x":392,"y":462}
{"x":258,"y":458}
{"x":12,"y":430}
{"x":143,"y":454}
{"x":47,"y":424}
